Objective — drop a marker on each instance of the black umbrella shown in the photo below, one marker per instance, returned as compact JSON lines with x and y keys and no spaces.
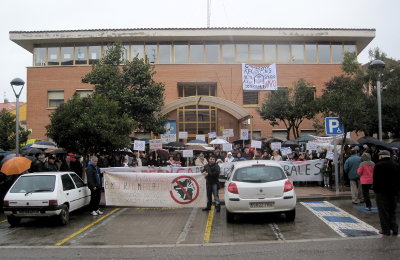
{"x":175,"y":145}
{"x":290,"y":143}
{"x":273,"y":140}
{"x":373,"y":141}
{"x":32,"y":150}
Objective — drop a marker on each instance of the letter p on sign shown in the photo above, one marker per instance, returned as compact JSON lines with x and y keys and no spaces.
{"x":333,"y":126}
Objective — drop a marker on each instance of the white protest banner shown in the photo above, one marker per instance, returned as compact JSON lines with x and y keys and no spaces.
{"x":212,"y":135}
{"x":183,"y":135}
{"x":286,"y":150}
{"x":139,"y":189}
{"x":311,"y":146}
{"x":227,"y":147}
{"x":167,"y":169}
{"x":187,"y":153}
{"x":155,"y":144}
{"x":276,"y":145}
{"x":256,"y":144}
{"x":167,"y":138}
{"x":201,"y":137}
{"x":259,"y":78}
{"x":244,"y":134}
{"x":304,"y":170}
{"x":227,"y":133}
{"x":139,"y":145}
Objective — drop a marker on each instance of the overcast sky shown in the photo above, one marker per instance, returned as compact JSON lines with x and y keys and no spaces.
{"x":42,"y":15}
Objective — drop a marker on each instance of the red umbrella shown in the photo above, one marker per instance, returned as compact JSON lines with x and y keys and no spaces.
{"x":15,"y":165}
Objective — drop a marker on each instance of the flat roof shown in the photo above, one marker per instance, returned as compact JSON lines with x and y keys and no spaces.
{"x":28,"y":39}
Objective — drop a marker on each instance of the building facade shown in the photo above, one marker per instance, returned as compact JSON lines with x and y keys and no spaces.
{"x":200,"y":67}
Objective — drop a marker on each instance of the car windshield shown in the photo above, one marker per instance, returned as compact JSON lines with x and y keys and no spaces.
{"x":39,"y":183}
{"x":259,"y":174}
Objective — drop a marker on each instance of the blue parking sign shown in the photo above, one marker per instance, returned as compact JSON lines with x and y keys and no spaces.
{"x":333,"y":126}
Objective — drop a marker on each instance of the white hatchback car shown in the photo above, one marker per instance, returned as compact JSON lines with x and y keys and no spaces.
{"x":259,"y":187}
{"x":45,"y":194}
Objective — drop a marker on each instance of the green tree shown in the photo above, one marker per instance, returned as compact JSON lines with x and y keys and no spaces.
{"x":7,"y":133}
{"x":89,"y":125}
{"x":132,"y":86}
{"x":290,"y":106}
{"x":390,"y":85}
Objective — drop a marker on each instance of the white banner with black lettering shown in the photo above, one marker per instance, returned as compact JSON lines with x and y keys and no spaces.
{"x":259,"y":78}
{"x":140,"y":189}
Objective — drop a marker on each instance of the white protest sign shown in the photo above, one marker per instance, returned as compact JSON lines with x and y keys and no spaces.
{"x":311,"y":146}
{"x":244,"y":134}
{"x":227,"y":147}
{"x":183,"y":135}
{"x":201,"y":137}
{"x":329,"y":155}
{"x":285,"y":151}
{"x":227,"y":133}
{"x":167,"y":138}
{"x":212,"y":135}
{"x":256,"y":144}
{"x":155,"y":144}
{"x":304,"y":170}
{"x":276,"y":145}
{"x":259,"y":78}
{"x":187,"y":153}
{"x":139,"y":145}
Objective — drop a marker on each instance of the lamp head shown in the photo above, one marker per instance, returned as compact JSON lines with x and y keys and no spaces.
{"x":17,"y":82}
{"x":377,"y":64}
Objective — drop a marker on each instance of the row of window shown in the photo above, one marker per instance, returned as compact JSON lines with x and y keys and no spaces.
{"x":182,"y":53}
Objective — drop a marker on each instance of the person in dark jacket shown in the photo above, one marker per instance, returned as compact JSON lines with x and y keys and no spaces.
{"x":211,"y":171}
{"x":38,"y":165}
{"x":94,"y":184}
{"x":386,"y":184}
{"x":50,"y":165}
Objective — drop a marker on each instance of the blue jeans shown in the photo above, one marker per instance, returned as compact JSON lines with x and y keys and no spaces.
{"x":212,"y":189}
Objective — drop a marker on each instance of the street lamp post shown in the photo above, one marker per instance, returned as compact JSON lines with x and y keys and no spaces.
{"x":378,"y":64}
{"x":17,"y":85}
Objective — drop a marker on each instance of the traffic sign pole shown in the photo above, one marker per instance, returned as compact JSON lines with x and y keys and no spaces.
{"x":335,"y":160}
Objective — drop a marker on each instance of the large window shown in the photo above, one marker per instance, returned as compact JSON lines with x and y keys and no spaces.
{"x":311,"y":53}
{"x":55,"y":98}
{"x":181,"y":51}
{"x":337,"y":52}
{"x":84,"y":92}
{"x":67,"y":55}
{"x":284,"y":53}
{"x":228,"y":53}
{"x":39,"y":57}
{"x":212,"y":53}
{"x":324,"y":54}
{"x":297,"y":53}
{"x":81,"y":55}
{"x":151,"y":53}
{"x":53,"y":56}
{"x":270,"y":53}
{"x":197,"y":119}
{"x":242,"y":53}
{"x":137,"y":50}
{"x":256,"y":53}
{"x":94,"y":54}
{"x":197,"y":53}
{"x":165,"y":53}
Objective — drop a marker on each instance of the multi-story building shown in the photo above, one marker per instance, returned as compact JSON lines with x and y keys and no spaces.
{"x":193,"y":63}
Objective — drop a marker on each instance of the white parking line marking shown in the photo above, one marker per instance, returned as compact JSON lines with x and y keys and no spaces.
{"x":277,"y":232}
{"x":188,"y":226}
{"x":343,"y":223}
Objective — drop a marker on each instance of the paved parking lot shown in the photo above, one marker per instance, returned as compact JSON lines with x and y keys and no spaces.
{"x":167,"y":226}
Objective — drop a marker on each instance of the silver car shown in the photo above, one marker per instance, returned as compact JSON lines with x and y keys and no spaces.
{"x":259,"y":187}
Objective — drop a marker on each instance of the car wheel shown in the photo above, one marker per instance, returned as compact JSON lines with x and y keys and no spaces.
{"x":230,"y":217}
{"x":63,"y":218}
{"x":290,"y":215}
{"x":13,"y":221}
